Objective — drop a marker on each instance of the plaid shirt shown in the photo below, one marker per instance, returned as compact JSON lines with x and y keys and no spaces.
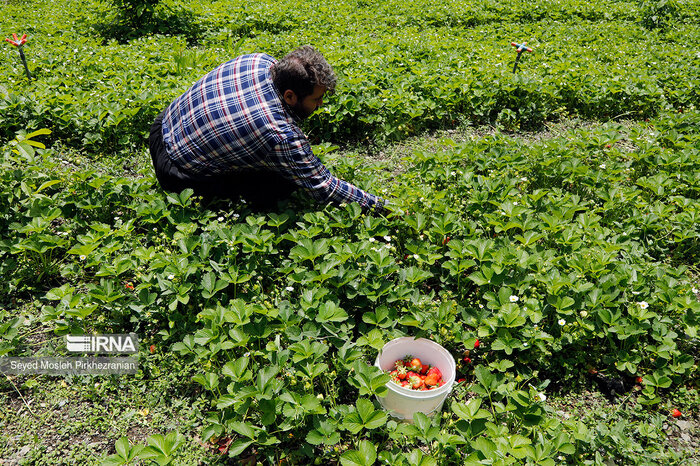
{"x":233,"y":118}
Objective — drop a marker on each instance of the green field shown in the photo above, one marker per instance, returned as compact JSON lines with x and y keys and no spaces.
{"x":553,"y":213}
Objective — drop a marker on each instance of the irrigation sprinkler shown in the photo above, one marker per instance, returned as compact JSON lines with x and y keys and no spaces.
{"x":19,"y":43}
{"x":520,"y":48}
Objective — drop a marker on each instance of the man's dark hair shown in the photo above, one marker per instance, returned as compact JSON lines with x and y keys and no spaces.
{"x":302,"y":69}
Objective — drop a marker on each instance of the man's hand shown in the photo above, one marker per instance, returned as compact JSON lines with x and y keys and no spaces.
{"x":391,"y":210}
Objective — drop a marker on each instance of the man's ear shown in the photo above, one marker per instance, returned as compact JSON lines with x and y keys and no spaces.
{"x":290,"y":97}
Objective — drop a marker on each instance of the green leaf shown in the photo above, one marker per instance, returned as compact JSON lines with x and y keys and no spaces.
{"x":414,"y":275}
{"x":325,"y":433}
{"x":46,"y":184}
{"x":166,"y":445}
{"x":485,"y":446}
{"x":331,"y":312}
{"x":226,"y":401}
{"x":122,"y":446}
{"x":238,"y":447}
{"x":482,"y":277}
{"x":208,"y":380}
{"x":371,"y":418}
{"x":311,"y":404}
{"x":352,"y":422}
{"x":655,"y":380}
{"x":243,"y":428}
{"x":416,"y":458}
{"x":365,"y":455}
{"x":38,"y":132}
{"x":315,"y":437}
{"x":237,"y":369}
{"x":268,"y":410}
{"x":567,"y":448}
{"x":113,"y":460}
{"x":374,"y":338}
{"x":470,"y":410}
{"x":364,"y":417}
{"x":369,"y":379}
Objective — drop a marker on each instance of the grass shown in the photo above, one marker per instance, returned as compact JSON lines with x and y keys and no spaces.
{"x":76,"y":420}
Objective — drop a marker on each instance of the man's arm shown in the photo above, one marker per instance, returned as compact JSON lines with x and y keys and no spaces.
{"x":294,"y":159}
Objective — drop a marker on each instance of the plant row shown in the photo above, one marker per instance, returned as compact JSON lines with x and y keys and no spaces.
{"x":404,"y":68}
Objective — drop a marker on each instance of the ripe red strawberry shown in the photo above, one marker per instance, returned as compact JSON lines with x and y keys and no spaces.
{"x":446,"y":240}
{"x":152,"y":349}
{"x":461,"y":380}
{"x":415,"y":365}
{"x":415,"y":381}
{"x":468,"y":360}
{"x":432,"y":379}
{"x":638,"y":379}
{"x":402,"y":373}
{"x":675,"y":413}
{"x":224,"y":444}
{"x":477,"y":343}
{"x":434,"y":370}
{"x":424,"y":368}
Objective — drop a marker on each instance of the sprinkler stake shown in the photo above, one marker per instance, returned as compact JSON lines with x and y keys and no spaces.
{"x":19,"y":43}
{"x":520,"y":48}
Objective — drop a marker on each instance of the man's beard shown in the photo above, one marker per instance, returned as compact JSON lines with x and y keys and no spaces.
{"x":300,"y":112}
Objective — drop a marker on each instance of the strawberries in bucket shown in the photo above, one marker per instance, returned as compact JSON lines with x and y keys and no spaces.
{"x":412,"y":374}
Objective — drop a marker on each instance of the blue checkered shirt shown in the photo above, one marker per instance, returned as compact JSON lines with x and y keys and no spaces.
{"x":234,"y":118}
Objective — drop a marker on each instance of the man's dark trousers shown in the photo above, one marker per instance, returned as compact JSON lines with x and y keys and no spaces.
{"x":263,"y":189}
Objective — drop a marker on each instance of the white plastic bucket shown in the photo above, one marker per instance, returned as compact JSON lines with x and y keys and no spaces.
{"x":401,"y":402}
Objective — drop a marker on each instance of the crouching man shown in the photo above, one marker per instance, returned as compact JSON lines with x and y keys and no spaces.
{"x":235,"y":133}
